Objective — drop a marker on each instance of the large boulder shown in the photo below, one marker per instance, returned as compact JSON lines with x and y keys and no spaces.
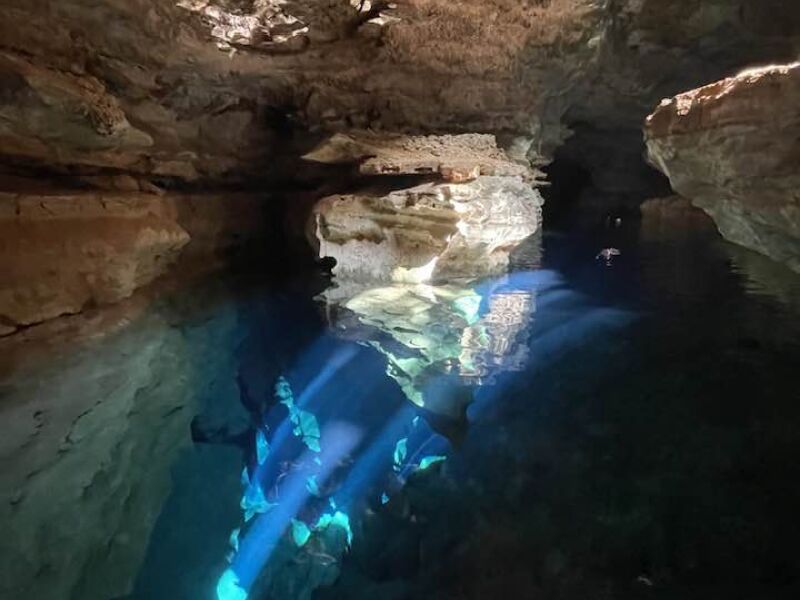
{"x":431,"y":232}
{"x":733,"y":148}
{"x":470,"y":207}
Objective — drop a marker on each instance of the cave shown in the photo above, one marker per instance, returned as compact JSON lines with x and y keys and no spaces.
{"x":348,"y":299}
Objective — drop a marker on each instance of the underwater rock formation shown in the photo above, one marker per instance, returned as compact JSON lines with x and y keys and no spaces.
{"x":86,"y":463}
{"x":438,"y":340}
{"x":63,"y":251}
{"x":733,"y":148}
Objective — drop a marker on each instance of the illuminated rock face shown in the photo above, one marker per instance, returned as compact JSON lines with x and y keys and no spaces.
{"x":732,"y":148}
{"x":431,"y":232}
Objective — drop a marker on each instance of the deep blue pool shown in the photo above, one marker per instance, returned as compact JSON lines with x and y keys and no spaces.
{"x":576,"y":428}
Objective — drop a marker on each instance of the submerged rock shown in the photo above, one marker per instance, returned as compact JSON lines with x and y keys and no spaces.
{"x":438,"y":340}
{"x":732,"y":148}
{"x":431,"y":232}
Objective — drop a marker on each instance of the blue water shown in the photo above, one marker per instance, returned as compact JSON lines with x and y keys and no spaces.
{"x":574,"y":428}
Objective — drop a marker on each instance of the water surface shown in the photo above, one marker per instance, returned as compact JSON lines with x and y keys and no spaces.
{"x":576,"y":428}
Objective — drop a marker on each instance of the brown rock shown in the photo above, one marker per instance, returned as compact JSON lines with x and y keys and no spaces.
{"x":189,"y":89}
{"x":733,"y":148}
{"x":61,"y":252}
{"x":456,"y":158}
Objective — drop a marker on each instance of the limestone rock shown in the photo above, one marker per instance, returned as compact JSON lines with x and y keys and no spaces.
{"x":733,"y":148}
{"x":431,"y":232}
{"x":63,"y":251}
{"x":92,"y":433}
{"x":456,"y":158}
{"x":199,"y":89}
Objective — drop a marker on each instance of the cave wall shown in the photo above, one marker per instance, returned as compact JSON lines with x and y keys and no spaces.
{"x":193,"y":89}
{"x":131,"y":97}
{"x":733,"y":148}
{"x":93,"y":431}
{"x":62,"y":251}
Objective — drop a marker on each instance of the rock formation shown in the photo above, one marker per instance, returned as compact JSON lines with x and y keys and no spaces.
{"x":202,"y":89}
{"x":63,"y":251}
{"x":430,"y":334}
{"x":463,"y":226}
{"x":455,"y":158}
{"x":733,"y":148}
{"x":90,"y":438}
{"x":212,"y":93}
{"x":430,"y":232}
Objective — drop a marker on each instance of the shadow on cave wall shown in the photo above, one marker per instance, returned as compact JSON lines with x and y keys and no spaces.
{"x":599,"y":174}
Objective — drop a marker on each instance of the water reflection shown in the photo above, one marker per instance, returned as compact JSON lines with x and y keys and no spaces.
{"x":339,"y":439}
{"x":466,"y":334}
{"x":523,"y":430}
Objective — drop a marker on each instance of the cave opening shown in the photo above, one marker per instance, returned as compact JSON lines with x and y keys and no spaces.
{"x":600,"y":174}
{"x":567,"y":180}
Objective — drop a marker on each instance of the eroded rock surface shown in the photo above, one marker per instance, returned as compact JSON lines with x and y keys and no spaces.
{"x":431,"y":232}
{"x":455,"y":158}
{"x":203,"y":89}
{"x":89,"y":440}
{"x":62,"y":252}
{"x":463,"y":223}
{"x":733,"y":148}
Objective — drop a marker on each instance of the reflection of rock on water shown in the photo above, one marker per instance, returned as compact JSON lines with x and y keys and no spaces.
{"x":436,"y":339}
{"x":492,"y":344}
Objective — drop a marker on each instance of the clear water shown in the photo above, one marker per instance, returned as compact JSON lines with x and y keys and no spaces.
{"x":575,"y":429}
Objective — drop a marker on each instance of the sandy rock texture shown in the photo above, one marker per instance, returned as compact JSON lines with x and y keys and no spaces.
{"x":432,"y":232}
{"x":733,"y":148}
{"x":62,"y":252}
{"x":207,"y":89}
{"x":456,"y":158}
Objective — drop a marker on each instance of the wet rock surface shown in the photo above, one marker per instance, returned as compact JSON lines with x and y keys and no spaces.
{"x":90,"y":437}
{"x":63,"y":252}
{"x":732,"y":148}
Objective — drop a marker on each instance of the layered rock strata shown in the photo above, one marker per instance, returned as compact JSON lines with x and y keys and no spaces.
{"x":61,"y":252}
{"x":733,"y":148}
{"x":464,"y":226}
{"x":90,"y":439}
{"x":202,"y":89}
